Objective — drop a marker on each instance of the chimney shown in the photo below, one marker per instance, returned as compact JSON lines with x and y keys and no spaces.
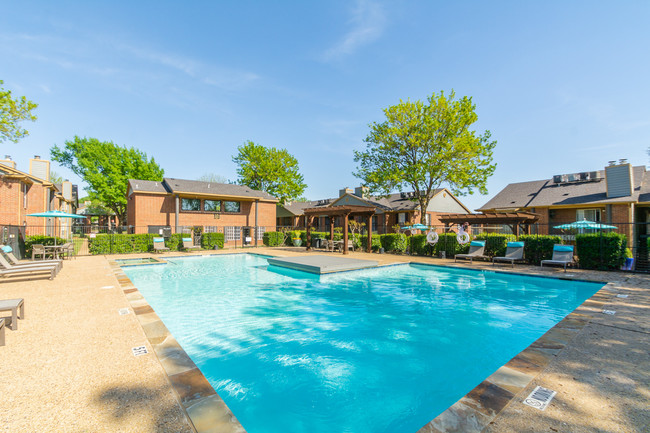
{"x":39,"y":168}
{"x":67,"y":190}
{"x":361,"y":191}
{"x":344,"y":191}
{"x":619,"y":178}
{"x":8,"y":162}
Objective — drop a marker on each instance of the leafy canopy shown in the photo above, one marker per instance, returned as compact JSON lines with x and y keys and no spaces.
{"x":422,"y":147}
{"x":12,"y":112}
{"x":106,"y":168}
{"x":213,"y":177}
{"x":269,"y":169}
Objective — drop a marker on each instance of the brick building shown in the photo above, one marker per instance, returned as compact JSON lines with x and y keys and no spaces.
{"x":396,"y":209}
{"x":179,"y":204}
{"x":24,"y":193}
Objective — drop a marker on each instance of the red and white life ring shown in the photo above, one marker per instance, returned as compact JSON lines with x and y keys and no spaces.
{"x":462,"y":238}
{"x":432,"y":237}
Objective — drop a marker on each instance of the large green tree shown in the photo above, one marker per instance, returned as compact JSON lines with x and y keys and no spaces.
{"x":269,"y":169}
{"x":12,"y":112}
{"x":106,"y":168}
{"x":424,"y":146}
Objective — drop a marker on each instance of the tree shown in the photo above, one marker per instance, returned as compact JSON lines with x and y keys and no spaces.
{"x":424,"y":146}
{"x":212,"y":177}
{"x":106,"y":168}
{"x":269,"y":169}
{"x":12,"y":112}
{"x":55,"y":177}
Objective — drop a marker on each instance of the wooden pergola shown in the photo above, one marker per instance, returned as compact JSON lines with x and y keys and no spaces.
{"x":345,"y":211}
{"x":512,"y":219}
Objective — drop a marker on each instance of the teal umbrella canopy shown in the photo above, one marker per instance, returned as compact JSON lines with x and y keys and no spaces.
{"x":419,"y":227}
{"x":55,"y":214}
{"x":405,"y":228}
{"x":584,"y":224}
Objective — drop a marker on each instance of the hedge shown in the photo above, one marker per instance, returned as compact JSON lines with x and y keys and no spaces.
{"x":211,"y":240}
{"x":375,"y":244}
{"x":273,"y":239}
{"x":394,"y":242}
{"x":495,"y":244}
{"x":448,"y":243}
{"x":538,"y":247}
{"x":40,"y":240}
{"x":418,"y":246}
{"x":601,"y":251}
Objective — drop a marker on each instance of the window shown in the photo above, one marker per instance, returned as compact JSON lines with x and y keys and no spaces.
{"x":260,"y":232}
{"x":588,"y":214}
{"x":374,"y":223}
{"x":231,"y":206}
{"x":25,"y":191}
{"x":232,"y":233}
{"x":401,"y":217}
{"x":212,"y":206}
{"x":191,"y":204}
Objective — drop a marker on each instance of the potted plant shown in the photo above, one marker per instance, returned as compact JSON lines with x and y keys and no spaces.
{"x":295,"y":237}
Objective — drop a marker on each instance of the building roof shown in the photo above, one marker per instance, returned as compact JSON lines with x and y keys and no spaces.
{"x":545,"y":193}
{"x":182,"y":186}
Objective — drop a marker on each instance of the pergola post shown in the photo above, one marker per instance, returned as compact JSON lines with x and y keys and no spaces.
{"x":309,"y":219}
{"x":331,"y":229}
{"x":345,"y":233}
{"x":369,"y":242}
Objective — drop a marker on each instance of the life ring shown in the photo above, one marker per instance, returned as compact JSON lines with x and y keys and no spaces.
{"x":462,"y":238}
{"x":432,"y":238}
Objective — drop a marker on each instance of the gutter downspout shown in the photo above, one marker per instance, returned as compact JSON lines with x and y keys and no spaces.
{"x":257,"y":205}
{"x":176,"y":219}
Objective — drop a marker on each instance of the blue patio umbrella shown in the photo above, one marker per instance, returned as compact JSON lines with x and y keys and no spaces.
{"x":584,"y":224}
{"x":405,"y":228}
{"x":419,"y":227}
{"x":55,"y":214}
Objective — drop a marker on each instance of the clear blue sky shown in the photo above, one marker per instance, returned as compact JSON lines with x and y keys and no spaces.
{"x":562,"y":85}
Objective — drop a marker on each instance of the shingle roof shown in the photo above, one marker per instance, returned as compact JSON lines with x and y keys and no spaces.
{"x":138,"y":185}
{"x":225,"y":189}
{"x":542,"y":193}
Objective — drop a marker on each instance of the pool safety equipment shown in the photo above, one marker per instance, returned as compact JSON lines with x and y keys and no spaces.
{"x":432,"y":237}
{"x":463,"y":237}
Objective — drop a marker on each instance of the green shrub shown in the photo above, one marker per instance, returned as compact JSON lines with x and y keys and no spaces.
{"x":211,"y":240}
{"x":495,"y":244}
{"x":40,"y":240}
{"x":394,"y":242}
{"x":601,"y":251}
{"x":121,"y":243}
{"x":375,"y":243}
{"x":538,"y":247}
{"x":448,"y":243}
{"x":273,"y":239}
{"x":418,"y":246}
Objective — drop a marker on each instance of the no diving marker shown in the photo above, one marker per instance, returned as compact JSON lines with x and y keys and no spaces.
{"x":139,"y":351}
{"x":540,"y":398}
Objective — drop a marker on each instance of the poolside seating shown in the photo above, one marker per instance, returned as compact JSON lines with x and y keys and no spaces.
{"x":188,"y":245}
{"x":33,"y":265}
{"x":2,"y":332}
{"x":327,"y":245}
{"x":14,"y":305}
{"x":39,"y":250}
{"x":562,"y":255}
{"x":27,"y":271}
{"x":67,"y":249}
{"x":159,"y":245}
{"x":8,"y":251}
{"x":476,"y":251}
{"x":514,"y":252}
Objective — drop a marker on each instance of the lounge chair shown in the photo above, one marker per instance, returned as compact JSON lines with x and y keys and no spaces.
{"x":8,"y":251}
{"x":514,"y":252}
{"x":13,"y":305}
{"x":27,"y":271}
{"x":562,"y":255}
{"x":2,"y":332}
{"x":159,"y":245}
{"x":476,"y":251}
{"x":5,"y":265}
{"x":188,"y":245}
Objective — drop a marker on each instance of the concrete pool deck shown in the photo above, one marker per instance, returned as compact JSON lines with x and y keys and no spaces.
{"x":70,"y":365}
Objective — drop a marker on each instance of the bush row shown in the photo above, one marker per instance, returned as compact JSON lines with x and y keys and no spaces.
{"x":143,"y":243}
{"x":40,"y":240}
{"x":601,"y":251}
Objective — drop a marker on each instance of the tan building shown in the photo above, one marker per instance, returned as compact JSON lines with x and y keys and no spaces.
{"x":396,"y":209}
{"x":177,"y":203}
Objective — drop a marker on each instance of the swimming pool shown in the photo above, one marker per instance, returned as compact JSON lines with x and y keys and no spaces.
{"x":381,"y":350}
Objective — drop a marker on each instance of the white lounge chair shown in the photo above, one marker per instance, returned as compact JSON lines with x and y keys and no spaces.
{"x":159,"y":245}
{"x":476,"y":251}
{"x":562,"y":255}
{"x":188,"y":245}
{"x":514,"y":252}
{"x":8,"y":251}
{"x":6,"y":266}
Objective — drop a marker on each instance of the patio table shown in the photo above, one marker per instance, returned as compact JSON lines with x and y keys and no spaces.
{"x":13,"y":305}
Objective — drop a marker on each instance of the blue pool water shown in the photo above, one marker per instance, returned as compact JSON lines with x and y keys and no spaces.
{"x":380,"y":350}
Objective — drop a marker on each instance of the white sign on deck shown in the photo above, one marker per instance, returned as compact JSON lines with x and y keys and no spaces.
{"x":540,"y":398}
{"x":139,"y":351}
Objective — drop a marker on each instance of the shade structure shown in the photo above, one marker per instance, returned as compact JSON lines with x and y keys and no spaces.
{"x":56,"y":214}
{"x":584,"y":224}
{"x":419,"y":227}
{"x":406,"y":228}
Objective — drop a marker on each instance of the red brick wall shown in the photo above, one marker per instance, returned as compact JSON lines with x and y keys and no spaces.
{"x":622,"y":215}
{"x":144,"y":210}
{"x":10,"y":194}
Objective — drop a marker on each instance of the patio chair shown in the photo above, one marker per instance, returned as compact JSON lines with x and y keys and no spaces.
{"x":67,"y":249}
{"x":14,"y":305}
{"x":327,"y":245}
{"x":476,"y":251}
{"x":159,"y":245}
{"x":562,"y":255}
{"x":188,"y":245}
{"x":514,"y":252}
{"x":8,"y":251}
{"x":39,"y":250}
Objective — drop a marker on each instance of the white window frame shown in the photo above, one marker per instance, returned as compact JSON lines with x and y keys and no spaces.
{"x":260,"y":232}
{"x":232,"y":233}
{"x":586,"y":214}
{"x":401,"y":218}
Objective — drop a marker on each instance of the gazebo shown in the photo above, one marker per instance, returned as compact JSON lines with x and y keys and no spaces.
{"x":512,"y":219}
{"x":345,"y":211}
